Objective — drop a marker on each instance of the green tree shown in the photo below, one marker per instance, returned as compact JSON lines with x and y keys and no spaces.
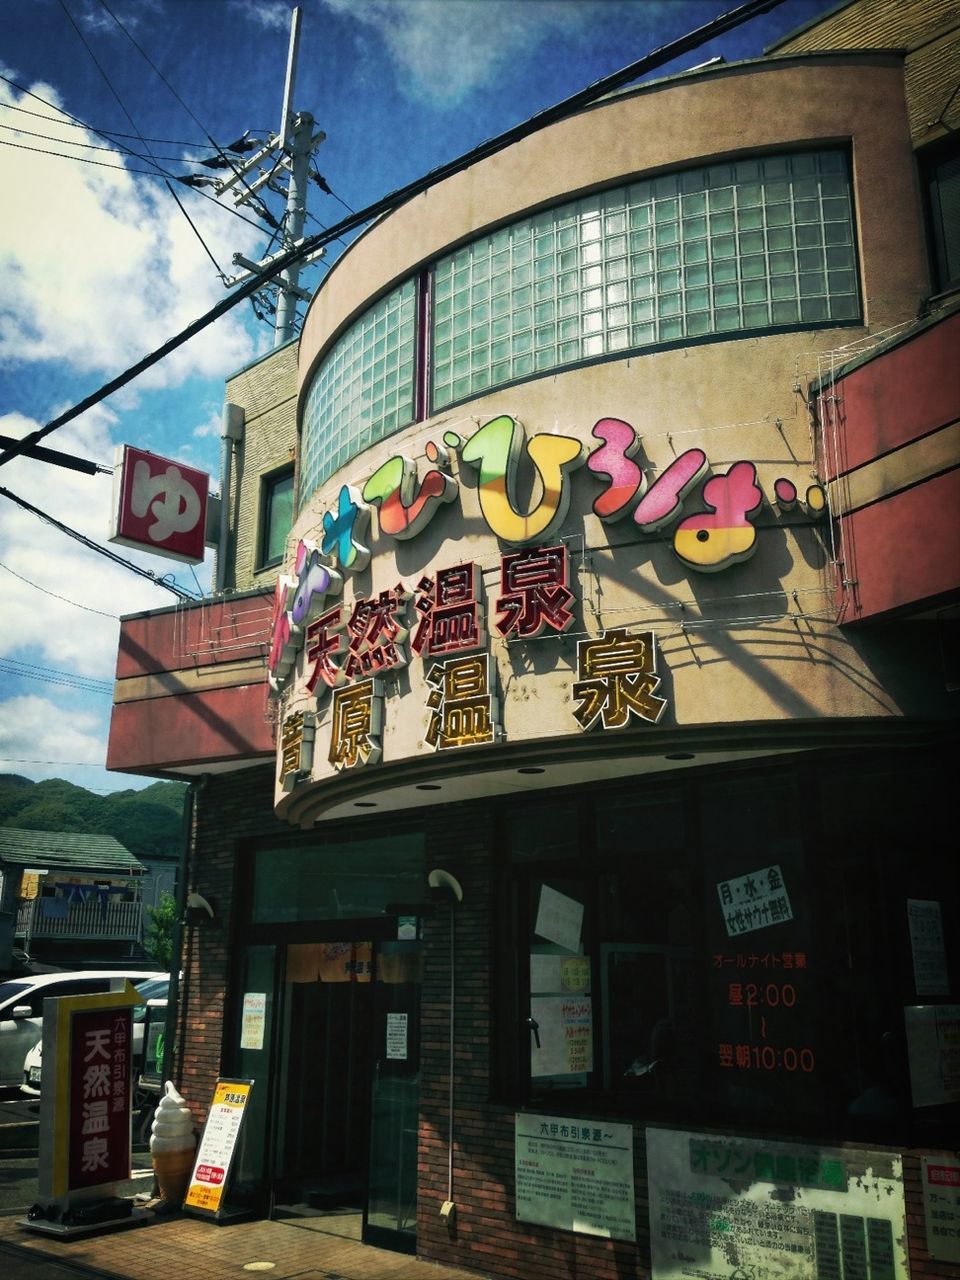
{"x":159,"y":937}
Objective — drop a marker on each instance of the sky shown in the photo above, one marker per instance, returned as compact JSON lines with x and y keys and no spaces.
{"x":99,"y":264}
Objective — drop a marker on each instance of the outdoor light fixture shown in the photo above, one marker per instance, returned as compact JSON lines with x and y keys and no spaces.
{"x":198,"y":909}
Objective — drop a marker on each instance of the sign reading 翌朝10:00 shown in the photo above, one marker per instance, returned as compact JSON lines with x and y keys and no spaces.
{"x":730,"y":1206}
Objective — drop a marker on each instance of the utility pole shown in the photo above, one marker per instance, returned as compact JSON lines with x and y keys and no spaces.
{"x":290,"y":150}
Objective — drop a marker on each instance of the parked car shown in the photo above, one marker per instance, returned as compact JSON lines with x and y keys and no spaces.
{"x":21,"y":1009}
{"x":152,"y":988}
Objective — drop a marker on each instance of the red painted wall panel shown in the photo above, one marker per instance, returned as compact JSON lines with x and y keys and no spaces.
{"x":905,"y":549}
{"x":195,"y":636}
{"x":900,"y":396}
{"x":190,"y":729}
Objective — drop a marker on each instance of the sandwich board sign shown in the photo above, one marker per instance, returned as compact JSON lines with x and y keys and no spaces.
{"x":206,"y":1193}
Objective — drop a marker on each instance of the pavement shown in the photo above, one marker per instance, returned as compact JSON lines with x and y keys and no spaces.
{"x":165,"y":1246}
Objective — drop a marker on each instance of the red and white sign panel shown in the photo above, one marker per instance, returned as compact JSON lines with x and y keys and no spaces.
{"x":99,"y":1115}
{"x":159,"y":505}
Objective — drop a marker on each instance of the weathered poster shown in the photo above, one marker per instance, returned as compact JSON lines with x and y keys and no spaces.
{"x":941,"y":1206}
{"x":732,"y":1208}
{"x":576,"y":1175}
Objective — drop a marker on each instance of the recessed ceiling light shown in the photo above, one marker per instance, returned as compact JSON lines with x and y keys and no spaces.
{"x":680,"y":755}
{"x":532,"y":769}
{"x":428,"y":786}
{"x":364,"y":804}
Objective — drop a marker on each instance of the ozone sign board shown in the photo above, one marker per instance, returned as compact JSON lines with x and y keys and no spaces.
{"x":159,"y":505}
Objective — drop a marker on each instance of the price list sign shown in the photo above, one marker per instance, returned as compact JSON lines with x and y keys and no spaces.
{"x":208,"y":1182}
{"x":780,"y":1209}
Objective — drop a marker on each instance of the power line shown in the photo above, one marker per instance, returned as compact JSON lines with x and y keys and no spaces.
{"x":89,"y":146}
{"x":48,"y":675}
{"x":112,"y":133}
{"x":94,"y":546}
{"x":109,"y":84}
{"x":76,"y":604}
{"x":550,"y":115}
{"x":149,"y":173}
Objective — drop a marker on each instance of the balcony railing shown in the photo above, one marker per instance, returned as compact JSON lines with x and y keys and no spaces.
{"x":120,"y":921}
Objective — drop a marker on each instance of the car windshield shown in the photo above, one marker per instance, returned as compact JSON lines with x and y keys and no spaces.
{"x":9,"y":991}
{"x":152,"y":989}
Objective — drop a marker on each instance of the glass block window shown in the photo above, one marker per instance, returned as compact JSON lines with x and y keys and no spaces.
{"x":363,"y":390}
{"x":749,"y":244}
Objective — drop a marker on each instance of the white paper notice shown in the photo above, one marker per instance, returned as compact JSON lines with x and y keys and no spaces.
{"x":929,"y":954}
{"x":253,"y":1020}
{"x":565,"y":1031}
{"x":559,"y":973}
{"x":559,"y":918}
{"x":576,"y":1175}
{"x":397,"y":1036}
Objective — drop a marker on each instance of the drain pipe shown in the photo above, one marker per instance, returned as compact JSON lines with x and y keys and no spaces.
{"x":447,"y":888}
{"x":231,"y":433}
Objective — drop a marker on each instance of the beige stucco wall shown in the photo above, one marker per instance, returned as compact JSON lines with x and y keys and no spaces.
{"x":266,"y":391}
{"x":757,"y":642}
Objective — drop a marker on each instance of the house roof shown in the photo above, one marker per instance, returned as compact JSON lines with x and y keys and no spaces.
{"x":71,"y":851}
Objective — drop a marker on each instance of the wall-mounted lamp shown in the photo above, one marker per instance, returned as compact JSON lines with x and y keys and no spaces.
{"x":444,"y":887}
{"x":199,"y":911}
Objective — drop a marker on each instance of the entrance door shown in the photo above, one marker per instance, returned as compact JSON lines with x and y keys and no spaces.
{"x":347,"y":1093}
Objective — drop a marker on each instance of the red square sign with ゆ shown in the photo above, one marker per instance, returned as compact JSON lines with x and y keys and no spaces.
{"x":159,"y":505}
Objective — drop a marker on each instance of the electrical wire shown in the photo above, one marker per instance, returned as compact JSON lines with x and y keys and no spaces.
{"x":71,"y":119}
{"x":133,"y":124}
{"x":484,"y":150}
{"x":112,"y":133}
{"x":48,"y":675}
{"x":90,"y":146}
{"x":94,"y":546}
{"x":258,"y":203}
{"x":76,"y":604}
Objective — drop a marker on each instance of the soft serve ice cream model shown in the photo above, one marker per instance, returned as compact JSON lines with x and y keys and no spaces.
{"x":172,"y":1145}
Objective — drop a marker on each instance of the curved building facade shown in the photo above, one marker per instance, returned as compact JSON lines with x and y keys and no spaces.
{"x":594,"y":915}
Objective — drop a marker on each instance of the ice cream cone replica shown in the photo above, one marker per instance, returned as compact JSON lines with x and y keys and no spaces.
{"x":172,"y":1146}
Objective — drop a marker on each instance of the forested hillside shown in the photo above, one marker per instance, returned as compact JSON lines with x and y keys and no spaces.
{"x":146,"y":822}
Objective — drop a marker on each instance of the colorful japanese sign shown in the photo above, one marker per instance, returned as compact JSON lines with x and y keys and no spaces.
{"x":575,"y":1175}
{"x":85,"y":1110}
{"x":211,"y":1169}
{"x":296,"y":748}
{"x":725,"y":1207}
{"x":617,"y":679}
{"x":463,"y":708}
{"x":100,"y":1044}
{"x":159,"y":505}
{"x":356,"y":723}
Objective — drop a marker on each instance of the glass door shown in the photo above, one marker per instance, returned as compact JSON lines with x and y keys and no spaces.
{"x":323,"y":1087}
{"x":390,"y":1219}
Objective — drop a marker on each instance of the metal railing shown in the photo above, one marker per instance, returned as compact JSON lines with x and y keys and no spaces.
{"x":112,"y":920}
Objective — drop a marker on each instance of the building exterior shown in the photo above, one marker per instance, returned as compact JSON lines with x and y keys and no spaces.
{"x":70,"y":899}
{"x":577,"y":825}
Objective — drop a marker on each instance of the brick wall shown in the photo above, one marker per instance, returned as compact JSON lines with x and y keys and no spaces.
{"x":486,"y":1236}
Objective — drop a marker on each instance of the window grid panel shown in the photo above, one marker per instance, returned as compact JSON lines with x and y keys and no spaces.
{"x":752,"y":244}
{"x":363,"y":391}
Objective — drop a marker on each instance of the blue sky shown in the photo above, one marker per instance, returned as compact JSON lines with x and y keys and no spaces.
{"x":99,"y":266}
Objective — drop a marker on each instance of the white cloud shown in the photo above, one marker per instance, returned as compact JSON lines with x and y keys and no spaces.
{"x":102,"y":287}
{"x":445,"y":49}
{"x":56,"y":574}
{"x":272,"y":15}
{"x":36,"y":729}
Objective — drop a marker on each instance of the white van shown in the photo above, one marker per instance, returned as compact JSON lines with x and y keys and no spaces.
{"x":21,"y":1009}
